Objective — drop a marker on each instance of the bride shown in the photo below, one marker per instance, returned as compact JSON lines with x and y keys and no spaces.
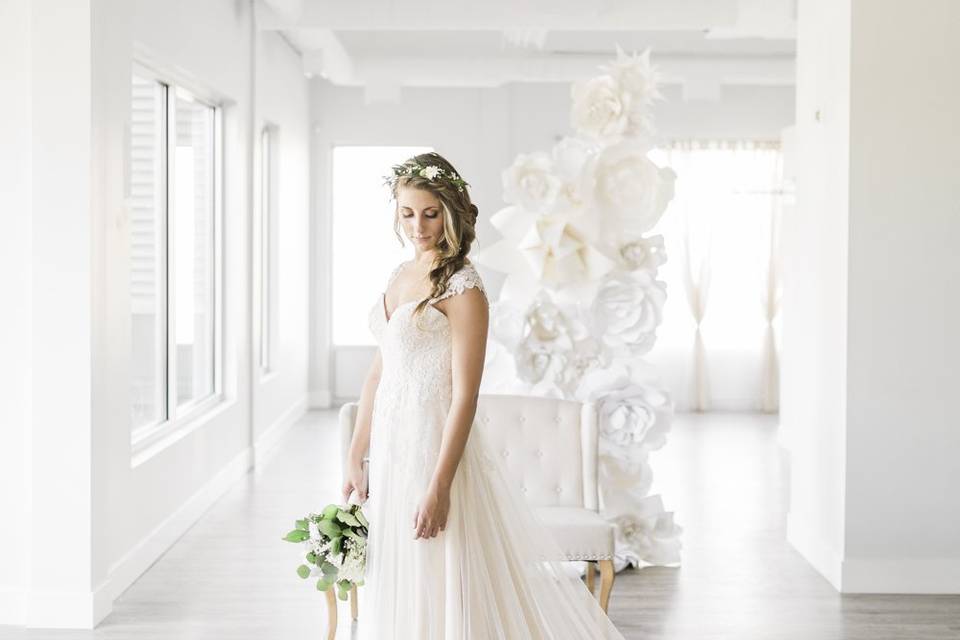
{"x":454,"y":551}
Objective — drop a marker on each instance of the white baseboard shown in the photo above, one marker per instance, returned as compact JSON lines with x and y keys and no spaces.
{"x":135,"y":562}
{"x":826,"y":560}
{"x":13,"y":606}
{"x":918,"y":576}
{"x":265,"y":445}
{"x":321,"y":399}
{"x":85,"y":611}
{"x":931,"y":576}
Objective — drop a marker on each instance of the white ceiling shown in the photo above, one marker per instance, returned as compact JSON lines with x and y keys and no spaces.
{"x":384,"y":45}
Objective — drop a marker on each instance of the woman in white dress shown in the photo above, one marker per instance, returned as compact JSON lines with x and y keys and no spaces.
{"x":454,"y":552}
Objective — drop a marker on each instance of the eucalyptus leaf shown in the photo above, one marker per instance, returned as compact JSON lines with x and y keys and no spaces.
{"x":343,"y":516}
{"x":323,"y":584}
{"x":302,"y":524}
{"x":297,"y":535}
{"x":329,"y":569}
{"x":303,"y":571}
{"x":330,"y":511}
{"x":329,"y":528}
{"x":359,"y":516}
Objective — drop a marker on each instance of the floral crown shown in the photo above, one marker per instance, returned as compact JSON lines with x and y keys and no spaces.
{"x":431,"y":172}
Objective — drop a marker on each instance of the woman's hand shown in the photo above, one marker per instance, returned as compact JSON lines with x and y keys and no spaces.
{"x":431,"y":516}
{"x":354,"y":482}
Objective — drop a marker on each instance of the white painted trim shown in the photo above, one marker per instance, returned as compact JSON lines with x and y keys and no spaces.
{"x":135,"y":562}
{"x":827,"y":561}
{"x":13,"y":606}
{"x":929,"y":576}
{"x":265,"y":446}
{"x":321,"y":399}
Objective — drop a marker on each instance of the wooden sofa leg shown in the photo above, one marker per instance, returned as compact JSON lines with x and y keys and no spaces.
{"x":590,"y":574}
{"x":606,"y":582}
{"x":353,"y":602}
{"x":331,"y":613}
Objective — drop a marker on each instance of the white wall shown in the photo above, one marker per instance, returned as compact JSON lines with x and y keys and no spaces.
{"x":77,"y":467}
{"x":814,"y":340}
{"x":15,"y":261}
{"x":903,"y":514}
{"x":870,"y":349}
{"x":283,"y":100}
{"x":481,"y":131}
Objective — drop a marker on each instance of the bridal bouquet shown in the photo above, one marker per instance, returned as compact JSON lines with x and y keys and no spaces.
{"x":336,"y":543}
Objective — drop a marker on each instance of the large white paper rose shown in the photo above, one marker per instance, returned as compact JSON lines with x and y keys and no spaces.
{"x":570,"y":156}
{"x":628,"y":309}
{"x":635,"y":75}
{"x":634,"y":417}
{"x":618,"y":102}
{"x":629,"y":191}
{"x":601,"y":109}
{"x":530,"y":182}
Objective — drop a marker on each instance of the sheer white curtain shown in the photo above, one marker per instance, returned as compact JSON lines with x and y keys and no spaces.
{"x":717,"y":348}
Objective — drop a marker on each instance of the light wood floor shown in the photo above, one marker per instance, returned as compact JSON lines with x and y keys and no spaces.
{"x":724,"y":475}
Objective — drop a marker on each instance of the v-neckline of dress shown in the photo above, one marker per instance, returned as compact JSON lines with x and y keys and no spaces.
{"x":388,"y":317}
{"x":383,"y":297}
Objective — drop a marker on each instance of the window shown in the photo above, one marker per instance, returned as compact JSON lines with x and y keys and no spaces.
{"x":363,"y":214}
{"x":266,"y":232}
{"x":174,"y":204}
{"x":721,"y":235}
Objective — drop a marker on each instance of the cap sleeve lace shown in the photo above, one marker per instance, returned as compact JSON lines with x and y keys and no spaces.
{"x":466,"y":278}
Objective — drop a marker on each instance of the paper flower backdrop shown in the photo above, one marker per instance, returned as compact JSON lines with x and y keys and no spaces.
{"x":581,"y":302}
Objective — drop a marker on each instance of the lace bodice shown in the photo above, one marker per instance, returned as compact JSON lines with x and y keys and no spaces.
{"x":459,"y":282}
{"x":416,"y":378}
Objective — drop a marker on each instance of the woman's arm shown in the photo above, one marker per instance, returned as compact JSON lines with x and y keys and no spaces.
{"x":361,"y":430}
{"x":468,"y":314}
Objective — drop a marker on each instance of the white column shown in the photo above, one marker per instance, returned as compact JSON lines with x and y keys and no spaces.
{"x":15,"y":240}
{"x":60,"y":589}
{"x":870,"y":345}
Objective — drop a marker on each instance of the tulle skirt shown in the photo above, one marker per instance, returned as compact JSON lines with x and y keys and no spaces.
{"x":493,"y":573}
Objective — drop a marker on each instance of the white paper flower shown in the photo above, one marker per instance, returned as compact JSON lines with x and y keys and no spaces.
{"x":570,"y":156}
{"x":645,"y":253}
{"x":634,"y":417}
{"x":531,"y":182}
{"x":628,"y":191}
{"x":601,"y":109}
{"x":636,"y":76}
{"x":628,"y":309}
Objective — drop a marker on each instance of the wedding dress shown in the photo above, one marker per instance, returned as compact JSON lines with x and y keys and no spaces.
{"x":494,"y":573}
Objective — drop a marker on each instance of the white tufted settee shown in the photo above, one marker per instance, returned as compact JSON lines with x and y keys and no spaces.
{"x":549,"y":446}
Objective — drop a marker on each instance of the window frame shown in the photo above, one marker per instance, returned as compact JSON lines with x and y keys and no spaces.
{"x":265,"y":235}
{"x":181,"y":419}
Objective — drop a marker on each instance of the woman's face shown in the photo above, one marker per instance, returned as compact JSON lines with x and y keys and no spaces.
{"x":421,"y":217}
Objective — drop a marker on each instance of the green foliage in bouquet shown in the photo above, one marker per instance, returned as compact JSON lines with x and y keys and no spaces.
{"x":336,"y":544}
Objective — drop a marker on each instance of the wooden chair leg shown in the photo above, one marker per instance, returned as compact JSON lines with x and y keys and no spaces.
{"x":331,"y":613}
{"x":353,"y":602}
{"x":590,"y":575}
{"x":606,"y":582}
